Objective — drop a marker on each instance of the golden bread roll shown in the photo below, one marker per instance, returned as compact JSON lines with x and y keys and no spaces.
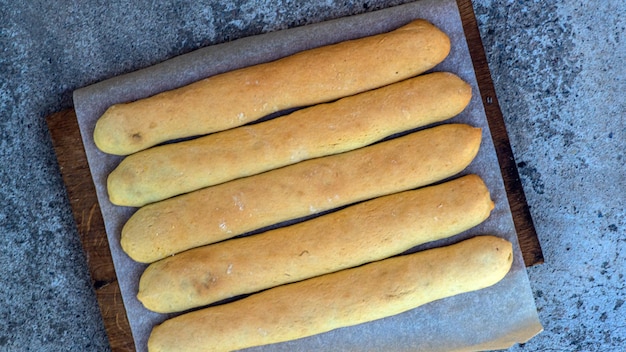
{"x":240,"y":96}
{"x":349,"y":123}
{"x":356,"y":235}
{"x":229,"y":209}
{"x":344,"y":298}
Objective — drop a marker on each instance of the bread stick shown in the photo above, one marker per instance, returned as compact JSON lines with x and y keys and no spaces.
{"x":345,"y":298}
{"x":229,"y":209}
{"x":237,"y":97}
{"x":356,"y":235}
{"x":350,"y":123}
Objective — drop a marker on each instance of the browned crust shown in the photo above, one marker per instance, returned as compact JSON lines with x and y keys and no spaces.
{"x":234,"y":98}
{"x":229,"y":209}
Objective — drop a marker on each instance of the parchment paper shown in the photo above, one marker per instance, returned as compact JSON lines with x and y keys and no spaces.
{"x":493,"y":318}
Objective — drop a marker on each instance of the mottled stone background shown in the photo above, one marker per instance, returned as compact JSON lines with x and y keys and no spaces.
{"x":559,"y":71}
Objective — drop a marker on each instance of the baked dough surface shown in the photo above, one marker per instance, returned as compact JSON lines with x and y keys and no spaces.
{"x":349,"y":123}
{"x":356,"y":235}
{"x":237,"y":97}
{"x":229,"y":209}
{"x":345,"y":298}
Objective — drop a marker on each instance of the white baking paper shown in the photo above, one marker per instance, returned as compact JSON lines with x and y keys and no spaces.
{"x":493,"y":318}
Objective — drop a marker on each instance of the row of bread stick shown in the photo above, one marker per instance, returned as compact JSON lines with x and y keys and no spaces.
{"x":329,"y":271}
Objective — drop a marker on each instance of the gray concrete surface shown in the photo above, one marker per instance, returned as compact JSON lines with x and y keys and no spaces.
{"x":559,"y":72}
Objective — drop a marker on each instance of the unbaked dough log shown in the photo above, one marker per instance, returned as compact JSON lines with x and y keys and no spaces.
{"x":229,"y":209}
{"x":345,"y":298}
{"x":165,"y":171}
{"x":356,"y":235}
{"x":237,"y":97}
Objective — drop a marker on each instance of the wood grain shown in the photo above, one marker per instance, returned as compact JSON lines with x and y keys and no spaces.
{"x":81,"y":191}
{"x":72,"y":160}
{"x":529,"y":242}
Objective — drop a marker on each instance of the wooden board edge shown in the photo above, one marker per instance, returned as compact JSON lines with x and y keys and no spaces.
{"x":68,"y":146}
{"x":524,"y":225}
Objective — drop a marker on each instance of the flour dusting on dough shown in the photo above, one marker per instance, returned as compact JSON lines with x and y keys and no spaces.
{"x":239,"y":202}
{"x":224,"y":227}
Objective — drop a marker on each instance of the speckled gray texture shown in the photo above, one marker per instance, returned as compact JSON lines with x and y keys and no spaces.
{"x":559,"y":72}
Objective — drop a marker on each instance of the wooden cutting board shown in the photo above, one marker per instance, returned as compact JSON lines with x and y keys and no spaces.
{"x":72,"y":160}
